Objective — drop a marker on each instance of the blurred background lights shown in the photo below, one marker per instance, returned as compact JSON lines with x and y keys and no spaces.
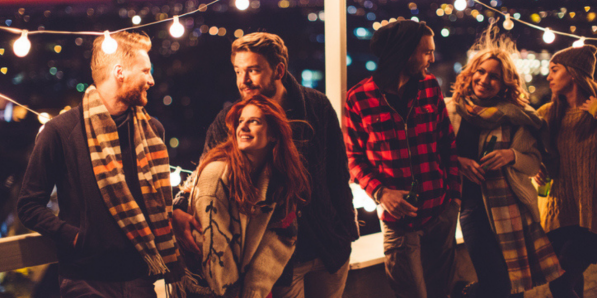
{"x":4,"y":70}
{"x":460,"y":5}
{"x":239,"y":33}
{"x":548,"y":36}
{"x":312,"y":17}
{"x":174,"y":143}
{"x":445,"y":32}
{"x":1,"y":51}
{"x":22,"y":45}
{"x":415,"y":19}
{"x":213,"y":30}
{"x":371,"y":66}
{"x":57,"y":49}
{"x":167,"y":100}
{"x":480,"y":18}
{"x":136,"y":20}
{"x":516,"y":15}
{"x":109,"y":45}
{"x":351,"y":9}
{"x":348,"y":60}
{"x":176,"y":30}
{"x":242,"y":4}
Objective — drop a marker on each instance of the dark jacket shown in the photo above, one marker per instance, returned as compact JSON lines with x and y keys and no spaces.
{"x":327,"y":225}
{"x":61,"y":158}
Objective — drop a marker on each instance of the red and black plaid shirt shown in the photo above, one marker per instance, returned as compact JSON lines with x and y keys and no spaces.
{"x":377,"y":147}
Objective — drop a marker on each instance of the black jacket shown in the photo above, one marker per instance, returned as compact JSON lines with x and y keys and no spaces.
{"x":327,"y":225}
{"x":61,"y":158}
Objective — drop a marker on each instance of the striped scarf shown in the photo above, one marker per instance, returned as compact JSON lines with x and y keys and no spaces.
{"x":153,"y":238}
{"x":527,"y":251}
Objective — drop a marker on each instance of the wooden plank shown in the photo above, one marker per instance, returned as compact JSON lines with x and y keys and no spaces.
{"x":26,"y":251}
{"x":335,"y":53}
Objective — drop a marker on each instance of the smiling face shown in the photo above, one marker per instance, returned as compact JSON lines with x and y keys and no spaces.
{"x":560,"y":80}
{"x":254,"y":75}
{"x":487,"y":79}
{"x":422,"y":58}
{"x":252,"y":131}
{"x":137,"y":79}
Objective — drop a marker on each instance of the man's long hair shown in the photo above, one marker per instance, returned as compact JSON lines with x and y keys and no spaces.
{"x":501,"y":48}
{"x":292,"y":179}
{"x":587,"y":124}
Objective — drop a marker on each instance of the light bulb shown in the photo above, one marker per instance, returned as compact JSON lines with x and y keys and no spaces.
{"x":242,"y":4}
{"x":369,"y":205}
{"x":109,"y":45}
{"x":176,"y":30}
{"x":548,"y":36}
{"x":579,"y":43}
{"x":460,"y":5}
{"x":508,"y":24}
{"x":43,"y":118}
{"x":175,"y":177}
{"x":22,"y":45}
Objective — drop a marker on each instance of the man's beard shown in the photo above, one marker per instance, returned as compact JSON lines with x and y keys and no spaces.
{"x":415,"y":70}
{"x":133,"y":96}
{"x":267,"y":91}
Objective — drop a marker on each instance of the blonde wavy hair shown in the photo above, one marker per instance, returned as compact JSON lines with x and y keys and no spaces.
{"x":501,"y":48}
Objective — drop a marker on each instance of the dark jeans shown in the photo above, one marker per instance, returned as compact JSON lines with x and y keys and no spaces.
{"x":420,"y":263}
{"x":74,"y":288}
{"x":576,"y":249}
{"x":485,"y":252}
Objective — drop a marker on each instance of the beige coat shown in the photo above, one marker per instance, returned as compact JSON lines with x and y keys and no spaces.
{"x":237,"y":248}
{"x":527,"y":161}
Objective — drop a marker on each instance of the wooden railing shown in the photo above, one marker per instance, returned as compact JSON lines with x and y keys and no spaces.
{"x":26,"y":251}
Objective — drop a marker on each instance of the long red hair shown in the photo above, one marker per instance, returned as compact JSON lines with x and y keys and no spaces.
{"x":292,"y":184}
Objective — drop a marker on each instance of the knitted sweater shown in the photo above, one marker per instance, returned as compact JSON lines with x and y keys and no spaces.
{"x":571,"y":200}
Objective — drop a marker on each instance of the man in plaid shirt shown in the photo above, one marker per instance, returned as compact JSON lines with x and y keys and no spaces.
{"x":398,"y":131}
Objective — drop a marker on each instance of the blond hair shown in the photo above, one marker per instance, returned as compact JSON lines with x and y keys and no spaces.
{"x":501,"y":48}
{"x":268,"y":45}
{"x":128,"y":46}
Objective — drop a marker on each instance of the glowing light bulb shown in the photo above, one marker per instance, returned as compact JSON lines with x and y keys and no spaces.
{"x":175,"y":177}
{"x":508,"y":24}
{"x":579,"y":43}
{"x":548,"y":36}
{"x":242,"y":4}
{"x":22,"y":45}
{"x":136,"y":20}
{"x":369,"y":205}
{"x":43,"y":118}
{"x":176,"y":30}
{"x":460,"y":5}
{"x":109,"y":45}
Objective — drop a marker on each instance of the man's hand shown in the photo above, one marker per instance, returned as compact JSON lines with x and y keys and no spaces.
{"x":471,"y":170}
{"x":183,"y":223}
{"x":393,"y":201}
{"x":497,"y":159}
{"x":541,"y":177}
{"x":589,"y":103}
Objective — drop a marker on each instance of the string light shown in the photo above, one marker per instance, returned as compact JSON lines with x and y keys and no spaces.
{"x":242,"y":4}
{"x":508,"y":24}
{"x":579,"y":43}
{"x":109,"y":45}
{"x":548,"y":36}
{"x":176,"y":30}
{"x":460,"y":5}
{"x":175,"y":178}
{"x":22,"y":45}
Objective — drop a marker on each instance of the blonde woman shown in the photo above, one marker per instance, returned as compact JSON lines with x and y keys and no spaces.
{"x":499,"y":214}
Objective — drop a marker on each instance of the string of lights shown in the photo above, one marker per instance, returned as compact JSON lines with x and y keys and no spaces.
{"x":22,"y":45}
{"x":42,"y":116}
{"x":548,"y":36}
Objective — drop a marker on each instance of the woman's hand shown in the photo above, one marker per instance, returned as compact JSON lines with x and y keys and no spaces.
{"x":541,"y":176}
{"x":471,"y":170}
{"x":497,"y":159}
{"x":589,"y":103}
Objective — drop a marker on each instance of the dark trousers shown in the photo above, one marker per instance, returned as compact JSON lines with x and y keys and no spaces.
{"x":485,"y":253}
{"x":576,"y":249}
{"x":74,"y":288}
{"x":420,"y":263}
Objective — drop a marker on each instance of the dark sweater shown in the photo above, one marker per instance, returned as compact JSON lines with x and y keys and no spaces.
{"x":327,"y":225}
{"x":61,"y":158}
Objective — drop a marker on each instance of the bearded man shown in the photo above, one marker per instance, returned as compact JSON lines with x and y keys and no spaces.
{"x":109,"y":164}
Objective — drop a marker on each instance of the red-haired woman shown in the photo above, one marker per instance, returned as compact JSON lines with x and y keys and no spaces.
{"x":245,"y":197}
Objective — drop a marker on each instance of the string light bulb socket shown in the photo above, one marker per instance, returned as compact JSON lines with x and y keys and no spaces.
{"x":22,"y":45}
{"x":548,"y":36}
{"x":176,"y":30}
{"x":508,"y":24}
{"x":579,"y":43}
{"x":109,"y":45}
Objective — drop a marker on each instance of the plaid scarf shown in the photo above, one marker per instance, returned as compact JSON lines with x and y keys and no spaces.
{"x":153,"y":238}
{"x":527,"y":251}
